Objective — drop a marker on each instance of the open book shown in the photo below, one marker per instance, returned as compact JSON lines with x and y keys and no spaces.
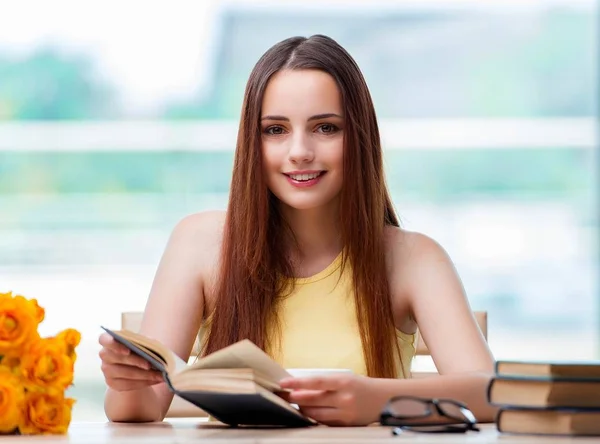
{"x":237,"y":385}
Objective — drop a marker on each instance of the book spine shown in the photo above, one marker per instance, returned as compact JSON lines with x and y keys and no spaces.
{"x":498,"y":420}
{"x":489,"y":389}
{"x":168,"y":382}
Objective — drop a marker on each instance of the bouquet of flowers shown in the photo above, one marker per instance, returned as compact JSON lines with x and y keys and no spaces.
{"x":34,"y":371}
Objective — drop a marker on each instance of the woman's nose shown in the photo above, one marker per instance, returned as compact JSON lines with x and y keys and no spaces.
{"x":301,"y":150}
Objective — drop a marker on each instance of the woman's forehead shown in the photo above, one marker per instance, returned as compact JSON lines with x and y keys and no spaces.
{"x":301,"y":92}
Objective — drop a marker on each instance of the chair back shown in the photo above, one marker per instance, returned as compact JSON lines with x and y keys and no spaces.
{"x":421,"y":349}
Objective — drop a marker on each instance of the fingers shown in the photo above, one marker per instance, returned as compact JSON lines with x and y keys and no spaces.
{"x":329,"y":400}
{"x":126,"y":377}
{"x":124,"y":370}
{"x":325,"y":415}
{"x":329,"y":409}
{"x":119,"y":371}
{"x":115,"y":353}
{"x":108,"y":342}
{"x":313,"y":398}
{"x":110,"y":357}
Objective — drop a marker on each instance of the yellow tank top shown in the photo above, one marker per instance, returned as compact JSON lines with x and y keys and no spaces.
{"x":319,"y":327}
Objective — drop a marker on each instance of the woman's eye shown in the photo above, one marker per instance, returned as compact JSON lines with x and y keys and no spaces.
{"x":327,"y":128}
{"x":274,"y":130}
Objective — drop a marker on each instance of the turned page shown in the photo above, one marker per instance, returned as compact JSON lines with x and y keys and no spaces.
{"x":243,"y":354}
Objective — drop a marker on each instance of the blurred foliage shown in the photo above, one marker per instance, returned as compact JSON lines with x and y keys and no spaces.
{"x":428,"y":175}
{"x":49,"y":85}
{"x":551,"y":72}
{"x":425,"y":63}
{"x":450,"y":174}
{"x":115,"y":172}
{"x":428,"y":64}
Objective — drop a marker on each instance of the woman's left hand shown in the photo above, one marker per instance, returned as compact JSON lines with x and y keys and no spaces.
{"x":338,"y":400}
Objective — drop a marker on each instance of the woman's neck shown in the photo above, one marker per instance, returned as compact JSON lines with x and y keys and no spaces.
{"x":317,"y":232}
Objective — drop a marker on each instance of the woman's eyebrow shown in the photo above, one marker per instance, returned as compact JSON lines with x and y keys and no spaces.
{"x":324,"y":116}
{"x":315,"y":117}
{"x":275,"y":118}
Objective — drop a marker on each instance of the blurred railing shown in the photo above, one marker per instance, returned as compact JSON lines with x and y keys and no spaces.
{"x":470,"y":133}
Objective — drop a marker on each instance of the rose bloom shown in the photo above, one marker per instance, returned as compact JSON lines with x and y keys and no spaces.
{"x":11,"y":400}
{"x":19,"y":320}
{"x":46,"y":364}
{"x":46,"y":413}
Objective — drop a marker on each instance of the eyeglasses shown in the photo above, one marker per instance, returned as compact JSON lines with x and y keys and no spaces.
{"x":407,"y":413}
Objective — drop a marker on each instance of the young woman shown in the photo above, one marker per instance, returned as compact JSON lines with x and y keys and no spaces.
{"x":309,"y":261}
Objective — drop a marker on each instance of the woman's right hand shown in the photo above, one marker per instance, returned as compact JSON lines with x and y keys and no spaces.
{"x":124,"y":370}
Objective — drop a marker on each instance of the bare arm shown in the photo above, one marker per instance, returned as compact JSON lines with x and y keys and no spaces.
{"x":446,"y":322}
{"x":173,"y":315}
{"x":422,"y":275}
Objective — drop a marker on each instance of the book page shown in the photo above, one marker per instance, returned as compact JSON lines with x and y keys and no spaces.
{"x":179,"y":364}
{"x":152,"y":347}
{"x":565,"y":369}
{"x":243,"y":354}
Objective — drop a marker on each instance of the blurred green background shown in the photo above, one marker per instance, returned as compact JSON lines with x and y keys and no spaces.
{"x":113,"y":127}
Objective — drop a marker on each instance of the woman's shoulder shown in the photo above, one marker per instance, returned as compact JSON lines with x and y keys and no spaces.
{"x":409,"y":251}
{"x":201,"y":231}
{"x":405,"y":244}
{"x":204,"y":223}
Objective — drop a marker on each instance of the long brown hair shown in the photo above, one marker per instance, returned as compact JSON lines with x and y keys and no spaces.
{"x":253,"y":257}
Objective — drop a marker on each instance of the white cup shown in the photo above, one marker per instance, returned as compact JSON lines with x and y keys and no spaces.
{"x":304,"y":372}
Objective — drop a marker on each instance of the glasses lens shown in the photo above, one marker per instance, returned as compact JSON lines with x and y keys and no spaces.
{"x":435,"y":428}
{"x":457,"y":412}
{"x":408,"y":408}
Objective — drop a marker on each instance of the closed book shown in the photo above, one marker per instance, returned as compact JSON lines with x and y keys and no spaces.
{"x":567,"y":422}
{"x":543,"y":392}
{"x":555,"y":370}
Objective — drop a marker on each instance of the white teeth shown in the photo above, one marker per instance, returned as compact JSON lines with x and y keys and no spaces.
{"x":304,"y":176}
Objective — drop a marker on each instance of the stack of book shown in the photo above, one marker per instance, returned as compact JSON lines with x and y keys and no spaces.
{"x":545,"y":398}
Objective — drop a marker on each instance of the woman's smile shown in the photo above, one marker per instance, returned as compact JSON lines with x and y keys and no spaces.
{"x":304,"y":179}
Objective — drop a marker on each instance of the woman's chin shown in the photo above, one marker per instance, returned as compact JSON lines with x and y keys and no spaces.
{"x":304,"y":205}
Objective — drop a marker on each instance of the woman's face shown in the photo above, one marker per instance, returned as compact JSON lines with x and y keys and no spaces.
{"x":302,"y":126}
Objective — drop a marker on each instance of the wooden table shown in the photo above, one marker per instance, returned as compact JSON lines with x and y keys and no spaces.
{"x":202,"y":432}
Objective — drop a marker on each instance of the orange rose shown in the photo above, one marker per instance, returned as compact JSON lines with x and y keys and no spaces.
{"x":12,"y":363}
{"x":19,"y":319}
{"x":11,"y":401}
{"x":46,"y":413}
{"x":45,"y":363}
{"x":71,"y":338}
